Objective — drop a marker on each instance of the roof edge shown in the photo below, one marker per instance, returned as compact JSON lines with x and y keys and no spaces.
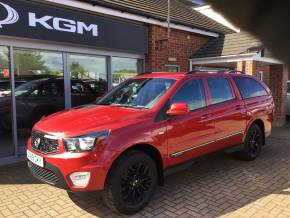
{"x":96,"y":8}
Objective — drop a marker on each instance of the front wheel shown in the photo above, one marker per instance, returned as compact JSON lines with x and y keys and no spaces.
{"x":253,"y":144}
{"x":131,"y":183}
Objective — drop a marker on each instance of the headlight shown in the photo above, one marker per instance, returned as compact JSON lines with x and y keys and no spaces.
{"x":85,"y":142}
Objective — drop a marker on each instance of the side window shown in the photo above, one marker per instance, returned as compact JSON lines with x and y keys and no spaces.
{"x":220,"y":90}
{"x":48,"y":89}
{"x":288,"y":87}
{"x":192,"y":93}
{"x":249,"y":88}
{"x":79,"y":89}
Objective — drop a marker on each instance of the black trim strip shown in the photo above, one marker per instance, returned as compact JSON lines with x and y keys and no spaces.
{"x":180,"y":153}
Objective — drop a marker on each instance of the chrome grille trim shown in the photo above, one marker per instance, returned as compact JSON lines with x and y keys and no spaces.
{"x":44,"y":143}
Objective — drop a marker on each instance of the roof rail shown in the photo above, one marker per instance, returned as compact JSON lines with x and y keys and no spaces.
{"x":206,"y":71}
{"x":214,"y":71}
{"x":147,"y":72}
{"x":236,"y":72}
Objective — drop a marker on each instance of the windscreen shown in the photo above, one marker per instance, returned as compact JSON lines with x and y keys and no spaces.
{"x":137,"y":93}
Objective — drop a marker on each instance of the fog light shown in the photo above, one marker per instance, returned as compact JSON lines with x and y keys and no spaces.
{"x":80,"y":179}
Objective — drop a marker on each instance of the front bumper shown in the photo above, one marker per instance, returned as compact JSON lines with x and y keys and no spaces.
{"x":59,"y":166}
{"x":49,"y":174}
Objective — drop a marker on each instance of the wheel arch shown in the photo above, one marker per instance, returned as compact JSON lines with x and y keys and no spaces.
{"x":261,"y":124}
{"x":151,"y":151}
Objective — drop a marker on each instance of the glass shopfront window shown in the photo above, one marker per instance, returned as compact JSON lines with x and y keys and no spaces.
{"x":39,"y":88}
{"x":6,"y":136}
{"x":88,"y":78}
{"x":124,"y":68}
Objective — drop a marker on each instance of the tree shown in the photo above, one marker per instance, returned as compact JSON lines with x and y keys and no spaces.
{"x":3,"y":59}
{"x":78,"y":71}
{"x":27,"y":62}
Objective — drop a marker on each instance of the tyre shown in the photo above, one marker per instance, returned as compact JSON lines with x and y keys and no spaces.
{"x":131,"y":183}
{"x":253,"y":144}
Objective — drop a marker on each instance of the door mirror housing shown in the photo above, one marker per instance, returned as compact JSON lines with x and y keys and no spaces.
{"x":179,"y":108}
{"x":98,"y":98}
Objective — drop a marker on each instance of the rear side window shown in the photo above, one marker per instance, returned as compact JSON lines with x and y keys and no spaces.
{"x":220,"y":90}
{"x":288,"y":87}
{"x":249,"y":88}
{"x":192,"y":93}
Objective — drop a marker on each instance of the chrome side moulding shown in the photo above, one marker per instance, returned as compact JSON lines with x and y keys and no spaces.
{"x":180,"y":153}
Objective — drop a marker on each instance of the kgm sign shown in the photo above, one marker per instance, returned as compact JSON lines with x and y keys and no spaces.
{"x":26,"y":19}
{"x":58,"y":24}
{"x":62,"y":24}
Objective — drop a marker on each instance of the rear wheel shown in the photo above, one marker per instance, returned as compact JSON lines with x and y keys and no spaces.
{"x":253,"y":144}
{"x":131,"y":183}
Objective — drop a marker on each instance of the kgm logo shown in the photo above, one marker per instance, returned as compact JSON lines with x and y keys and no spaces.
{"x":12,"y":15}
{"x":49,"y":22}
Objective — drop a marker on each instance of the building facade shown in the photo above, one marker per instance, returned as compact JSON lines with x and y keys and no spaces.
{"x":55,"y":55}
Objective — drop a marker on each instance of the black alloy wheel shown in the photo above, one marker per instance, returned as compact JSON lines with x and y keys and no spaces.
{"x":135,"y":183}
{"x":131,"y":182}
{"x":253,"y":144}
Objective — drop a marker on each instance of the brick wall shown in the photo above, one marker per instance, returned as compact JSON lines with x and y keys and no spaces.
{"x":180,"y":46}
{"x":253,"y":68}
{"x":265,"y":68}
{"x":278,"y":86}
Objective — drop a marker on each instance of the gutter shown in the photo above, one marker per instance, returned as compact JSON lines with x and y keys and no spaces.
{"x":254,"y":56}
{"x":130,"y":16}
{"x":223,"y":59}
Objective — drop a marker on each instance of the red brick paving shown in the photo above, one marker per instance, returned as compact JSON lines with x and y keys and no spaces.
{"x":219,"y":186}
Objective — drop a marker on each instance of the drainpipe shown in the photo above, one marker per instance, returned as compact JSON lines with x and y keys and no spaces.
{"x":190,"y":65}
{"x":168,"y":19}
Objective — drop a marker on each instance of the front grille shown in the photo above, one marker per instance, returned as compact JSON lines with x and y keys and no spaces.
{"x":43,"y":174}
{"x":44,"y":143}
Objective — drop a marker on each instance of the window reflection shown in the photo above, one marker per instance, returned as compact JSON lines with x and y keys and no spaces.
{"x":124,"y":68}
{"x":6,"y":142}
{"x":40,"y":88}
{"x":88,"y":78}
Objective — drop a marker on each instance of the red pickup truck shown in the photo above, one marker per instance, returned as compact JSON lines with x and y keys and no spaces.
{"x":125,"y":142}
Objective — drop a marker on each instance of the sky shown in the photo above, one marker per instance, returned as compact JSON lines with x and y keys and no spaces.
{"x":200,"y":2}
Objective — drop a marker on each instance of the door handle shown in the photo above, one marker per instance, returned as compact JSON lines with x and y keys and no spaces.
{"x":268,"y":107}
{"x":239,"y":107}
{"x":205,"y":116}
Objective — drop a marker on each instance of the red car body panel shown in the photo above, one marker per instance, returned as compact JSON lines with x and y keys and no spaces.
{"x":201,"y":131}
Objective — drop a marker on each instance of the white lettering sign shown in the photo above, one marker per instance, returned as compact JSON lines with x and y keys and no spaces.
{"x":62,"y":24}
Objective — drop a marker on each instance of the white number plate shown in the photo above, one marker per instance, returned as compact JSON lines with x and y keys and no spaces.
{"x":35,"y":158}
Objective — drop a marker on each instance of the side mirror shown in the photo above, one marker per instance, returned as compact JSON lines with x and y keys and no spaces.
{"x":179,"y":108}
{"x":98,"y":98}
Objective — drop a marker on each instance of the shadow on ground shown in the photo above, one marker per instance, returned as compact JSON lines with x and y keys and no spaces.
{"x":16,"y":174}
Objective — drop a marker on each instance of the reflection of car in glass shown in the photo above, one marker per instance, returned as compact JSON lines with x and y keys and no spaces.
{"x":124,"y":142}
{"x":5,"y":89}
{"x":288,"y":99}
{"x":100,"y":86}
{"x":42,"y":97}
